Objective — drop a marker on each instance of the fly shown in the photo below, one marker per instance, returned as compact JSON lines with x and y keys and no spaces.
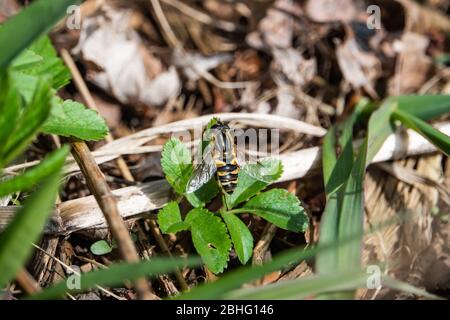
{"x":219,"y":158}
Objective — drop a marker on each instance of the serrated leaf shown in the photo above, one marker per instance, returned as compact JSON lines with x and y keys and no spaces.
{"x":72,"y":119}
{"x":281,"y":208}
{"x":28,"y":223}
{"x":26,"y":84}
{"x":240,"y":236}
{"x":210,"y":238}
{"x":169,"y":219}
{"x":100,"y":248}
{"x":253,"y":178}
{"x":176,"y":164}
{"x":51,"y":64}
{"x":31,"y":177}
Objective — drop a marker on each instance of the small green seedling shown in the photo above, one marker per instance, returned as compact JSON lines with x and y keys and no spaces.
{"x":102,"y":247}
{"x":214,"y":233}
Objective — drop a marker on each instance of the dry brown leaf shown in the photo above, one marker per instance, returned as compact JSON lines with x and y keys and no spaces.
{"x":125,"y":68}
{"x":294,"y":66}
{"x":331,"y":10}
{"x":412,"y":64}
{"x":358,"y":67}
{"x":276,"y":29}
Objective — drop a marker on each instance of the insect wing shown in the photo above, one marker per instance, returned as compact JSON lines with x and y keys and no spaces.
{"x":202,"y":172}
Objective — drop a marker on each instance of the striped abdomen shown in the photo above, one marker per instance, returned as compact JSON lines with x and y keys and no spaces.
{"x":227,"y":175}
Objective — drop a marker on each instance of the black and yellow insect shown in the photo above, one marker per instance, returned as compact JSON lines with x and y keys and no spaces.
{"x":219,"y":156}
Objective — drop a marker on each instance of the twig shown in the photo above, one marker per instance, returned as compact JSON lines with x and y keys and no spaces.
{"x":200,"y":16}
{"x":263,"y":244}
{"x":27,"y":282}
{"x":163,"y":245}
{"x":86,"y":94}
{"x":108,"y":204}
{"x":168,"y":33}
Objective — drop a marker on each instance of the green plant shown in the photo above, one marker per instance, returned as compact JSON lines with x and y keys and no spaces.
{"x":344,"y":171}
{"x":30,"y":75}
{"x":214,"y":233}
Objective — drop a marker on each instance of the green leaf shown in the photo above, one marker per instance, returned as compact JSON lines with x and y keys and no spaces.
{"x":210,"y":238}
{"x":28,"y":223}
{"x":285,"y":260}
{"x":26,"y":60}
{"x":203,"y":195}
{"x":26,"y":85}
{"x":425,"y":107}
{"x":116,"y":274}
{"x":240,"y":235}
{"x":31,"y":177}
{"x":379,"y":128}
{"x":20,"y":31}
{"x":100,"y":248}
{"x":236,"y":278}
{"x":10,"y":106}
{"x":303,"y":288}
{"x":439,"y":139}
{"x":279,"y":207}
{"x":169,"y":219}
{"x":31,"y":119}
{"x":72,"y":119}
{"x":253,"y":178}
{"x":176,"y":164}
{"x":307,"y":287}
{"x":337,"y":166}
{"x":51,"y":64}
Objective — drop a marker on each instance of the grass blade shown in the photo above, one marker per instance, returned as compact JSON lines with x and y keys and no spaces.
{"x":303,"y":288}
{"x":425,"y":107}
{"x":15,"y":241}
{"x":31,"y":177}
{"x":439,"y":139}
{"x":116,"y":274}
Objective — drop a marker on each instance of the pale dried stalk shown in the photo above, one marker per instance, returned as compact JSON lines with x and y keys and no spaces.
{"x":134,"y":143}
{"x":83,"y":213}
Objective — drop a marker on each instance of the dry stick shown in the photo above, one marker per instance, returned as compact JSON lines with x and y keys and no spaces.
{"x":99,"y":188}
{"x":123,"y":167}
{"x":165,"y":248}
{"x":86,"y":94}
{"x":27,"y":282}
{"x":263,"y":244}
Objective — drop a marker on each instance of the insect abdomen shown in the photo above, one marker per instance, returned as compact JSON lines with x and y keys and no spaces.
{"x":227,"y":174}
